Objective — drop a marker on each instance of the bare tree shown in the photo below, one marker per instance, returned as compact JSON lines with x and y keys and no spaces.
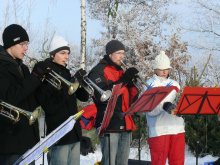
{"x":83,"y":33}
{"x":139,"y":24}
{"x":204,"y":27}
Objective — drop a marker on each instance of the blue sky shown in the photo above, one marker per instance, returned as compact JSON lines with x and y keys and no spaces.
{"x":65,"y":16}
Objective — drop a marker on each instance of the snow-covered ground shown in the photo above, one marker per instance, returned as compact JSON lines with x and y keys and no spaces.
{"x":92,"y":158}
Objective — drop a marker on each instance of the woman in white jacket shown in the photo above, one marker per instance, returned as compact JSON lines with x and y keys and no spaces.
{"x":166,"y":131}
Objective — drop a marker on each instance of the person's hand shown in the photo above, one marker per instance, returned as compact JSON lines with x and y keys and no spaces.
{"x":41,"y":69}
{"x":169,"y":107}
{"x":130,"y":73}
{"x":80,"y":75}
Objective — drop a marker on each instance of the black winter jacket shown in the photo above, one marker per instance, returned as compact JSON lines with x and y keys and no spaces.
{"x":17,"y":87}
{"x":58,"y":105}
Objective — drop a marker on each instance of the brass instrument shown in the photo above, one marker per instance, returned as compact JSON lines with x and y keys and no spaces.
{"x":139,"y":83}
{"x":57,"y":79}
{"x":91,"y":86}
{"x":72,"y":86}
{"x":32,"y":116}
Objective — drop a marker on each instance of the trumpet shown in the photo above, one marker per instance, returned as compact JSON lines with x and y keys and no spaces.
{"x":72,"y":86}
{"x":139,"y":83}
{"x":32,"y":116}
{"x":56,"y":79}
{"x":91,"y":86}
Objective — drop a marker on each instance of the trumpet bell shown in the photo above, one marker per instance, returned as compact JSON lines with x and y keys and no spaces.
{"x":33,"y":116}
{"x":105,"y":95}
{"x":73,"y":88}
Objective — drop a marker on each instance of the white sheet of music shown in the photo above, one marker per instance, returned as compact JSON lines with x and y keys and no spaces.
{"x":35,"y":152}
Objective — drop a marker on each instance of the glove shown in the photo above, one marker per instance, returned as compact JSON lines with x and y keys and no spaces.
{"x":168,"y":106}
{"x":41,"y":69}
{"x":130,"y":73}
{"x":80,"y":75}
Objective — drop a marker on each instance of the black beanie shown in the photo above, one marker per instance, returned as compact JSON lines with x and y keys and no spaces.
{"x":14,"y":34}
{"x":113,"y":46}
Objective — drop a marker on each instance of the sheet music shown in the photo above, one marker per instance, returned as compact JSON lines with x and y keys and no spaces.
{"x":47,"y":142}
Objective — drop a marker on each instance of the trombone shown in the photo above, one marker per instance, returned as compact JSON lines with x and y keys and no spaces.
{"x":57,"y":79}
{"x":91,"y":86}
{"x":32,"y":116}
{"x":140,"y":83}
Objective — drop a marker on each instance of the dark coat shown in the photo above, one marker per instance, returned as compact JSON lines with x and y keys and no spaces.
{"x":58,"y":105}
{"x":106,"y":74}
{"x":17,"y":87}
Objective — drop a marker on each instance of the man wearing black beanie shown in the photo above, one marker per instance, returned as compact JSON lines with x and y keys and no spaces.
{"x":106,"y":74}
{"x":17,"y":88}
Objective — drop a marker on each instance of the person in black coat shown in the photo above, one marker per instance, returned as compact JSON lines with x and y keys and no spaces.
{"x":17,"y":87}
{"x":59,"y":105}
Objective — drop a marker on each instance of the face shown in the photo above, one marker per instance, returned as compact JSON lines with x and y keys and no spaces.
{"x":117,"y":57}
{"x":162,"y":72}
{"x":61,"y":57}
{"x":18,"y":51}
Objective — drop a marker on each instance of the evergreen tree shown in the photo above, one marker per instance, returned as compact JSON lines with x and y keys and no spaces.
{"x":203,"y":131}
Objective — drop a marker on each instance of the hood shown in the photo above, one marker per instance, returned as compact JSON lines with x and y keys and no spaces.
{"x":5,"y":56}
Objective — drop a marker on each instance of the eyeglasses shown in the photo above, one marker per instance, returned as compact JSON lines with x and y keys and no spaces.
{"x":24,"y":44}
{"x":120,"y":53}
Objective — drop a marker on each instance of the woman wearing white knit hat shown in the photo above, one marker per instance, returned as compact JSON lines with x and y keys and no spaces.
{"x":166,"y":131}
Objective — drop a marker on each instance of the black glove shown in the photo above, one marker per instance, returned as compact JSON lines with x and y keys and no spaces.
{"x":168,"y":106}
{"x":41,"y":69}
{"x":130,"y":73}
{"x":80,"y":75}
{"x":217,"y":162}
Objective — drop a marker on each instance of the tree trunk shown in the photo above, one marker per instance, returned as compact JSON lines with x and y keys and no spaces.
{"x":83,"y":33}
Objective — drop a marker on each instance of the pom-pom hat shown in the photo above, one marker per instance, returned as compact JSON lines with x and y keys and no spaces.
{"x":162,"y":61}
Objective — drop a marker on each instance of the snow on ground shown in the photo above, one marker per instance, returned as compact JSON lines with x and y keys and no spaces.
{"x":92,"y":158}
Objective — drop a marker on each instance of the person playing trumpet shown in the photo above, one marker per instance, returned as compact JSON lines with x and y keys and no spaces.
{"x":59,"y":105}
{"x":105,"y":74}
{"x":17,"y":88}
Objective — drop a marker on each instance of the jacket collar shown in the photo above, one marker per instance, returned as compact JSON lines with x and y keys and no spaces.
{"x":160,"y":79}
{"x":5,"y":56}
{"x":10,"y":61}
{"x":108,"y":61}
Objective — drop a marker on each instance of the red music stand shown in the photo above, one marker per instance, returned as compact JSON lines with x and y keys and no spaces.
{"x":108,"y":113}
{"x":110,"y":108}
{"x":199,"y":101}
{"x":150,"y":99}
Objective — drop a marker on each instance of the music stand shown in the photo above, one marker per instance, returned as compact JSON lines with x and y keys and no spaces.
{"x":149,"y":99}
{"x":199,"y":101}
{"x":108,"y":113}
{"x":42,"y":146}
{"x":110,"y":108}
{"x":147,"y":102}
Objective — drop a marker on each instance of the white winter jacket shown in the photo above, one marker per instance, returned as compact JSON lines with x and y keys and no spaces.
{"x":158,"y":120}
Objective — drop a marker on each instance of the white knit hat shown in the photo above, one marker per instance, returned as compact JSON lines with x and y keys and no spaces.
{"x":57,"y":44}
{"x":162,"y":61}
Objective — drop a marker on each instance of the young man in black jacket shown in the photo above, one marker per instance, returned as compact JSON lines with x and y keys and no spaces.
{"x":105,"y":74}
{"x":17,"y":87}
{"x":59,"y":105}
